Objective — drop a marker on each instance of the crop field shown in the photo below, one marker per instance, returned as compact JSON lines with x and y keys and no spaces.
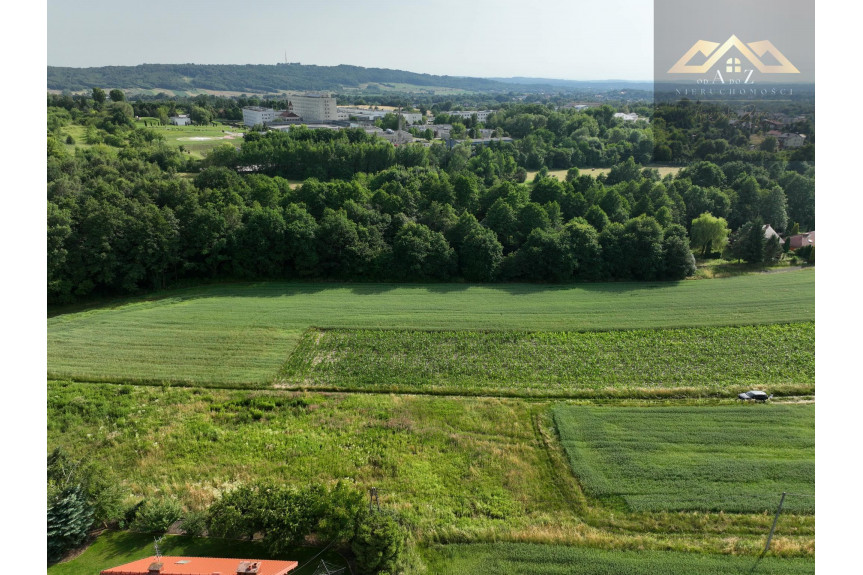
{"x":461,"y":469}
{"x":526,"y":559}
{"x":241,"y":335}
{"x":710,"y":361}
{"x":724,"y":458}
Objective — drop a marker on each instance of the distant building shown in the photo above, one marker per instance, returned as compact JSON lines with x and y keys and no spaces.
{"x":315,"y":107}
{"x":792,"y":140}
{"x":627,"y":117}
{"x":481,"y":115}
{"x":397,"y":137}
{"x":167,"y":565}
{"x":181,"y":120}
{"x":254,"y":115}
{"x":802,"y":240}
{"x":769,"y":232}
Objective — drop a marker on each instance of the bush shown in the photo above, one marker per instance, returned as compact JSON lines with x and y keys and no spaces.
{"x":157,"y":515}
{"x":194,"y":523}
{"x":381,"y":543}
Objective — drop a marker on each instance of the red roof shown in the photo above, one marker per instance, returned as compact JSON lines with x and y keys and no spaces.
{"x":201,"y":566}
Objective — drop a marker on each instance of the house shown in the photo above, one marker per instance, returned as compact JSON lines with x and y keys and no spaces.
{"x":181,"y":120}
{"x":627,"y":117}
{"x":769,"y":232}
{"x":802,"y":240}
{"x":165,"y":565}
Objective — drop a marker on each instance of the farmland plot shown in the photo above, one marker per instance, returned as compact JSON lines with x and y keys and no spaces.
{"x":722,"y":458}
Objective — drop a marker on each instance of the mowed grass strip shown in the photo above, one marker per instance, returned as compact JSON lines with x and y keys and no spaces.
{"x":724,"y":458}
{"x":697,"y":361}
{"x":241,"y":334}
{"x":530,"y":559}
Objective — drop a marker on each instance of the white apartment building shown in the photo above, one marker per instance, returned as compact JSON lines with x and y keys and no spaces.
{"x":253,"y":115}
{"x":315,"y":107}
{"x":481,"y":115}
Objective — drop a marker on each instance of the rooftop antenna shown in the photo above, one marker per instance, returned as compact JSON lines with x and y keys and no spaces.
{"x":156,"y":545}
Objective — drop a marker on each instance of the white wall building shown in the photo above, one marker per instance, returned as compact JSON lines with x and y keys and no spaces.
{"x":253,"y":115}
{"x":315,"y":107}
{"x":181,"y":120}
{"x":627,"y":117}
{"x":481,"y":115}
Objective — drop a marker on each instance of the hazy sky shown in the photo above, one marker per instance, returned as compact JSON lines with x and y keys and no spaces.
{"x":581,"y":40}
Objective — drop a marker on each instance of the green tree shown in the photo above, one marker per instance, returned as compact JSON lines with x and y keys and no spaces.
{"x":381,"y":543}
{"x":768,"y":144}
{"x":480,"y":255}
{"x":69,"y":519}
{"x":117,"y":95}
{"x":747,"y":243}
{"x":201,"y":116}
{"x":420,"y":253}
{"x":774,"y":209}
{"x":99,"y":96}
{"x":709,"y":233}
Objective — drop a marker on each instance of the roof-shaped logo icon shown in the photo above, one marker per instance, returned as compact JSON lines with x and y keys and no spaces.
{"x":753,"y":51}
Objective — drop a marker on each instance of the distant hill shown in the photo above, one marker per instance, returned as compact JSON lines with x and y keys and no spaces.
{"x":263,"y":78}
{"x":579,"y":84}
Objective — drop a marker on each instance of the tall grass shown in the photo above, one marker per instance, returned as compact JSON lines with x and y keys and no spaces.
{"x":641,"y":363}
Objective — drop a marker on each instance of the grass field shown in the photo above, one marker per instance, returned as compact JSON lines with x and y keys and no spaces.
{"x":658,"y":362}
{"x":112,"y":549}
{"x":240,"y":335}
{"x":732,"y":459}
{"x":198,"y":140}
{"x":518,"y":558}
{"x":561,"y":174}
{"x":461,"y":469}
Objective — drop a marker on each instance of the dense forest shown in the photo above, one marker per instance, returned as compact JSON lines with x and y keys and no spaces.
{"x":262,"y":78}
{"x":128,"y":212}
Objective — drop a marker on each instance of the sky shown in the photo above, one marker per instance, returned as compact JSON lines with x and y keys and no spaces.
{"x":611,"y":39}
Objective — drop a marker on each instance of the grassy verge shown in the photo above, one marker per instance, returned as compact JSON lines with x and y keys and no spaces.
{"x":712,"y":361}
{"x":114,"y":548}
{"x":239,"y":335}
{"x":728,"y":458}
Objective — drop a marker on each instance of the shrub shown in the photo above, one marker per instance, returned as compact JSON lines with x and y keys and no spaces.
{"x":194,"y":523}
{"x":157,"y":515}
{"x":381,"y":543}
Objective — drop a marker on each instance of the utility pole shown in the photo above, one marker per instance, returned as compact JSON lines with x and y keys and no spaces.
{"x":770,"y":535}
{"x":773,"y":527}
{"x":373,"y":499}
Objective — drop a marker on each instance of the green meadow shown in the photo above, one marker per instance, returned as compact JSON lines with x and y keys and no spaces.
{"x":241,"y":335}
{"x":726,"y":458}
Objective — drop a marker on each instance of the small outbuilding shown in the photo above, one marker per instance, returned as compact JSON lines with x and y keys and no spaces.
{"x":181,"y":120}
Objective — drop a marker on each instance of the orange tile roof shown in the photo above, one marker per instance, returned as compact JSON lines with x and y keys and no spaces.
{"x":200,"y":566}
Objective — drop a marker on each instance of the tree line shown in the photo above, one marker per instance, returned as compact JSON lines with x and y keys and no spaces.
{"x":131,"y":213}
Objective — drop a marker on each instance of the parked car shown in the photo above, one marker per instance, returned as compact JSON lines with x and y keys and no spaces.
{"x":754,"y":394}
